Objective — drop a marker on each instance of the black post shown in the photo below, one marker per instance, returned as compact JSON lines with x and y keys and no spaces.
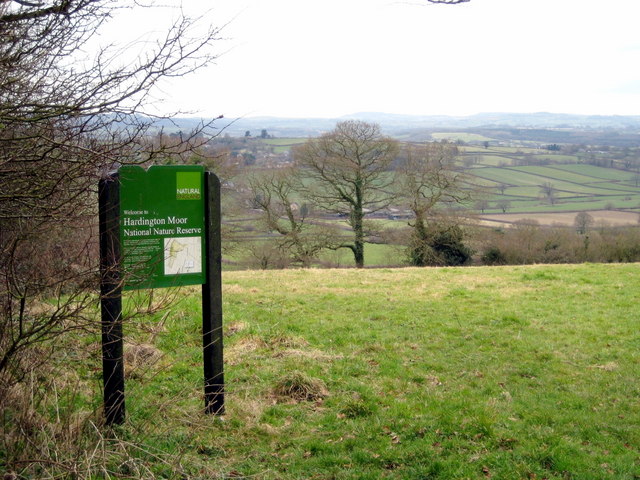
{"x":111,"y":300}
{"x":212,"y":301}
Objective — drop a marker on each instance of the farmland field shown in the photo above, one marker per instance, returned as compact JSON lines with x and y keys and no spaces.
{"x":575,"y":186}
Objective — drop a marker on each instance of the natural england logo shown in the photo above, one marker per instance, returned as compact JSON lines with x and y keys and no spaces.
{"x":188,"y":185}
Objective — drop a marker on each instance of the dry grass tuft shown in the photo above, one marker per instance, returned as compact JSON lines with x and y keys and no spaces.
{"x":139,"y":359}
{"x":299,"y":387}
{"x":234,"y":328}
{"x":607,"y":367}
{"x":243,"y":347}
{"x":286,"y":341}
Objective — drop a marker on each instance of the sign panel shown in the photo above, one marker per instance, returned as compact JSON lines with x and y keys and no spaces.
{"x":162,"y":230}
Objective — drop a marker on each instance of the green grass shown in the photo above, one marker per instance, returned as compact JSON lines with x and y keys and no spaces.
{"x":575,"y":204}
{"x":282,"y":145}
{"x":508,"y":373}
{"x":284,"y":141}
{"x":559,"y":174}
{"x":598,"y":172}
{"x":528,"y":176}
{"x":374,"y":254}
{"x":528,"y":191}
{"x":509,"y":176}
{"x":493,"y":160}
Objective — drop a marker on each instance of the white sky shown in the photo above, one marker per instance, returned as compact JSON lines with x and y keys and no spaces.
{"x":327,"y":58}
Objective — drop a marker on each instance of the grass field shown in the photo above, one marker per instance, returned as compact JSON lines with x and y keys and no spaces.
{"x":376,"y":255}
{"x":281,"y":145}
{"x":437,"y":373}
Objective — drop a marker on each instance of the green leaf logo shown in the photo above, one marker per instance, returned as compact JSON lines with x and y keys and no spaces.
{"x":188,"y":185}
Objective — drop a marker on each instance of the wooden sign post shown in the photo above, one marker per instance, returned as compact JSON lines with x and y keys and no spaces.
{"x":160,"y":228}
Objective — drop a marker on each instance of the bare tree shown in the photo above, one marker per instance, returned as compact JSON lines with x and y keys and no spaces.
{"x":549,"y":191}
{"x":274,"y":193}
{"x":583,"y":221}
{"x":348,"y":174}
{"x":63,"y":123}
{"x":481,"y":205}
{"x":503,"y":205}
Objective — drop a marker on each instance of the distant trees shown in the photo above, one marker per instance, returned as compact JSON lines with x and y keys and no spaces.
{"x":347,"y":172}
{"x":503,"y":205}
{"x":481,"y":205}
{"x":549,"y":192}
{"x":583,"y":222}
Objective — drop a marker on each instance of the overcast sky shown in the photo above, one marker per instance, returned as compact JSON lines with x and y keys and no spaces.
{"x":327,"y":58}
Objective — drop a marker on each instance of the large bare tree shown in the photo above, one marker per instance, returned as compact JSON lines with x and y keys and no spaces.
{"x":348,"y":172}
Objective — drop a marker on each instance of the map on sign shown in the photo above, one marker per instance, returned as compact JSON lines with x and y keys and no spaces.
{"x":182,"y":255}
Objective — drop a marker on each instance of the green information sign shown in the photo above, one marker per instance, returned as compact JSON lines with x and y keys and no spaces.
{"x":162,"y":231}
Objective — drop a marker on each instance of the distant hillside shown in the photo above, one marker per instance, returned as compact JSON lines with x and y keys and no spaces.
{"x":534,"y":126}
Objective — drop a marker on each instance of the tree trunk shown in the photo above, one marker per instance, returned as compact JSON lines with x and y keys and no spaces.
{"x":358,"y":244}
{"x":418,"y":256}
{"x":358,"y":253}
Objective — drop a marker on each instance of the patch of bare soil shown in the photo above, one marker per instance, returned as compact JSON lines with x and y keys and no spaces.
{"x":601,"y":217}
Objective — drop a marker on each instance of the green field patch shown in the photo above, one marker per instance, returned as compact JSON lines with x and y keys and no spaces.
{"x":508,"y":176}
{"x":574,"y":204}
{"x":460,"y":136}
{"x":284,"y":141}
{"x":558,"y":174}
{"x":282,"y":145}
{"x":474,"y":180}
{"x":617,"y":187}
{"x":494,"y":160}
{"x":531,"y":192}
{"x":598,"y":172}
{"x":520,"y":176}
